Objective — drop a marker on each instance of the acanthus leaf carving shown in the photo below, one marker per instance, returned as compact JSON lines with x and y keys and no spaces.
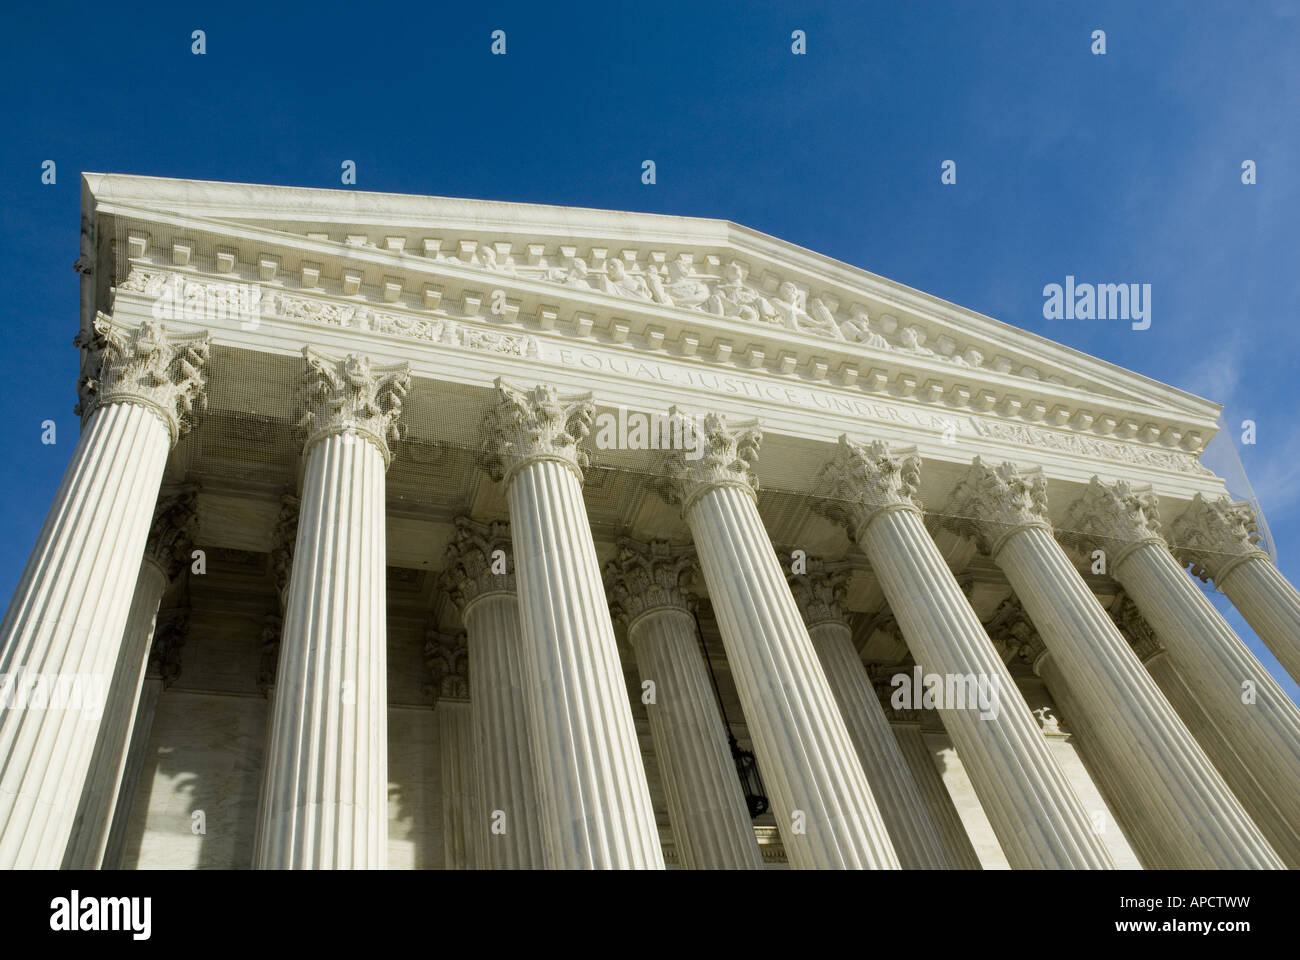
{"x":712,"y":455}
{"x":478,"y":562}
{"x":862,"y":479}
{"x":447,"y":657}
{"x":531,"y":424}
{"x":990,"y":503}
{"x":352,"y":396}
{"x":648,"y":576}
{"x":820,"y":591}
{"x":1215,"y":536}
{"x":1114,"y":518}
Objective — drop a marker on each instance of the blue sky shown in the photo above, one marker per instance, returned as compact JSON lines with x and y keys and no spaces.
{"x":1117,"y":168}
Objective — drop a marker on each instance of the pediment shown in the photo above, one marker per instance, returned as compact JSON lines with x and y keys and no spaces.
{"x":708,"y":290}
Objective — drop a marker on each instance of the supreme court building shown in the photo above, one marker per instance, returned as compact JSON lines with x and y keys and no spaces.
{"x":433,"y":533}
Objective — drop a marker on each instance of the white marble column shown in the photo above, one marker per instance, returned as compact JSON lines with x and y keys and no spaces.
{"x":1038,"y":819}
{"x":712,"y":828}
{"x":1191,"y":815}
{"x":906,"y":727}
{"x":595,"y":804}
{"x":1243,"y":699}
{"x":162,"y":670}
{"x":1280,"y":834}
{"x":819,"y":592}
{"x":326,"y":800}
{"x":480,"y":580}
{"x":66,"y":621}
{"x":166,"y":554}
{"x":820,"y":797}
{"x":1220,"y":539}
{"x":463,"y":822}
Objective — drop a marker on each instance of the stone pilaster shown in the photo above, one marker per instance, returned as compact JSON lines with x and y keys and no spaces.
{"x":819,"y":593}
{"x":479,"y":578}
{"x":326,"y":799}
{"x":447,"y":657}
{"x":1037,"y":817}
{"x":706,"y":806}
{"x":166,"y":555}
{"x":1219,"y":539}
{"x":1241,"y":697}
{"x":1191,"y":817}
{"x":70,"y":609}
{"x":595,"y":804}
{"x":820,"y":796}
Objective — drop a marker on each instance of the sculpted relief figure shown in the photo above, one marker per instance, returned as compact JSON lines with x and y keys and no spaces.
{"x":734,"y":298}
{"x":858,"y":330}
{"x":821,"y":321}
{"x":683,"y":289}
{"x":910,"y":343}
{"x":623,"y":284}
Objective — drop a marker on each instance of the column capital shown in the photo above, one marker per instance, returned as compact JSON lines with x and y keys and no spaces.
{"x":644,"y":577}
{"x":284,"y":536}
{"x":527,"y":425}
{"x":447,"y":657}
{"x":882,"y":681}
{"x":1134,"y":628}
{"x":171,"y":535}
{"x":720,"y":456}
{"x":172,"y":627}
{"x":820,"y":591}
{"x":990,"y":503}
{"x":478,"y":562}
{"x":1014,"y":634}
{"x":1114,"y":517}
{"x":863,"y":480}
{"x":353,"y":397}
{"x":144,"y":365}
{"x":1214,"y":537}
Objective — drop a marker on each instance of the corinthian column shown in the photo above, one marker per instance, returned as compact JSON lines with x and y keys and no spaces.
{"x":819,"y":593}
{"x":711,"y":823}
{"x":595,"y":805}
{"x":166,"y":554}
{"x":1194,"y":820}
{"x":1245,"y":702}
{"x":481,"y":582}
{"x":820,"y":796}
{"x":66,"y":621}
{"x":448,"y":662}
{"x":1220,"y":539}
{"x":1039,"y":821}
{"x":326,"y":799}
{"x":1280,"y":834}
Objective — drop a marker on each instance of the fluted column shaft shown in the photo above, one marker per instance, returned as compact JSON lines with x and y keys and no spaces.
{"x":595,"y":802}
{"x":943,"y":813}
{"x":1245,"y":702}
{"x":712,"y":828}
{"x":1270,"y":604}
{"x":86,"y":847}
{"x":498,"y":700}
{"x":327,"y":777}
{"x":1038,"y":820}
{"x":67,"y":618}
{"x":141,"y":730}
{"x":915,"y":837}
{"x":1266,"y":814}
{"x":820,"y":795}
{"x":1193,"y":817}
{"x":457,"y":750}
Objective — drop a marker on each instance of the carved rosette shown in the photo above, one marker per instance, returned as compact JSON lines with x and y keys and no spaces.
{"x":284,"y":535}
{"x":990,"y":503}
{"x":353,"y":397}
{"x":819,"y":593}
{"x":1141,"y":637}
{"x":171,"y":536}
{"x":644,"y":577}
{"x":529,"y":425}
{"x":447,"y":657}
{"x":170,"y":630}
{"x":144,"y":365}
{"x":1114,"y":518}
{"x":1014,"y":634}
{"x":1214,"y":537}
{"x":882,"y":676}
{"x":474,"y":568}
{"x":719,"y":456}
{"x":864,"y":479}
{"x":269,"y":660}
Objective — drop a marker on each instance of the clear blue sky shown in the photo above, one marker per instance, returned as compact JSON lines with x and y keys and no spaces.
{"x":1117,"y":168}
